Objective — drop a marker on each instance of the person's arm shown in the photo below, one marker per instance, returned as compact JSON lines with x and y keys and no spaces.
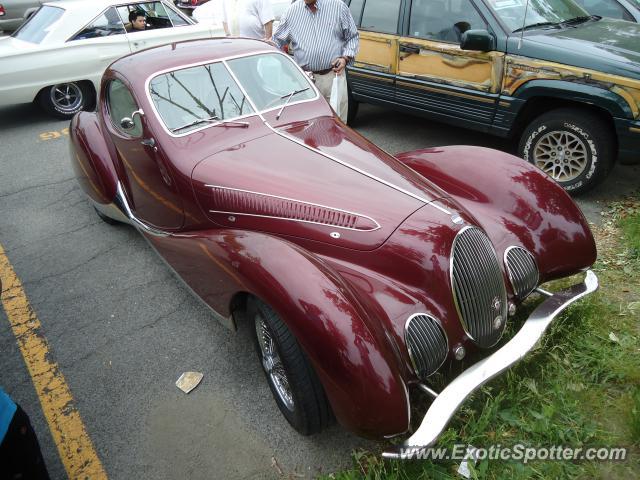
{"x":225,"y":18}
{"x":268,"y":30}
{"x":282,"y":35}
{"x":349,"y":34}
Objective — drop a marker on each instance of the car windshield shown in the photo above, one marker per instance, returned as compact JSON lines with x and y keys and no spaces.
{"x":197,"y":97}
{"x":538,"y":12}
{"x":270,"y":79}
{"x":36,"y":29}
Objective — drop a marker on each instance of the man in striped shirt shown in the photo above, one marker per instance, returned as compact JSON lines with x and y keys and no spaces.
{"x":324,"y":39}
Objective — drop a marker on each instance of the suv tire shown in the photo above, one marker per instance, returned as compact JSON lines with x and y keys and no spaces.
{"x":576,"y":148}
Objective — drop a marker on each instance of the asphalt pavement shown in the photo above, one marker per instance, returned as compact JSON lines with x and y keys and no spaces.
{"x":122,"y":329}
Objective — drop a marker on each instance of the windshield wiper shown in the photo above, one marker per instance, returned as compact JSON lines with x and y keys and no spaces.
{"x":289,"y":96}
{"x":536,"y":25}
{"x":215,"y":119}
{"x":577,"y":20}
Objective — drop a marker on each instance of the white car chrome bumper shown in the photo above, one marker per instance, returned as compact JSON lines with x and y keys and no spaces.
{"x":448,"y":401}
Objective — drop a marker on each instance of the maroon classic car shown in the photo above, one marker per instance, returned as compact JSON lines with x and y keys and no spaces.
{"x":366,"y":275}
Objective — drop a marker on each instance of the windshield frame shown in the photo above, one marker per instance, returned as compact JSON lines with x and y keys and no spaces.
{"x":223,"y":61}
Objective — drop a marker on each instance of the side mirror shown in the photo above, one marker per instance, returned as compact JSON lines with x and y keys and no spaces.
{"x":127,"y":123}
{"x":478,"y":40}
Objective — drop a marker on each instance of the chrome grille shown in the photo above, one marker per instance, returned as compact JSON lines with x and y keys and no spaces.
{"x":426,"y":343}
{"x":478,"y":287}
{"x":522,"y":270}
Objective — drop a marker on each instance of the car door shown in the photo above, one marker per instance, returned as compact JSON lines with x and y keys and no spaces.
{"x":164,"y":25}
{"x":372,"y":75}
{"x":436,"y":76}
{"x":149,"y":183}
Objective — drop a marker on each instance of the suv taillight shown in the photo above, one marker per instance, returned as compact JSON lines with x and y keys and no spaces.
{"x":194,"y":2}
{"x":2,"y":12}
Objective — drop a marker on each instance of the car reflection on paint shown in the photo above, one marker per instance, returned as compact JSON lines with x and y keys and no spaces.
{"x":362,"y":275}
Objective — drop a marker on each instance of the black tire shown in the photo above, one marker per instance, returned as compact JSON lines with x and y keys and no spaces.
{"x":308,"y":410}
{"x":66,"y":99}
{"x":104,"y":218}
{"x":575,"y":147}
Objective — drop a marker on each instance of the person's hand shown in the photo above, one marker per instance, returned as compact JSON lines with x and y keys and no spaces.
{"x":339,"y":64}
{"x":269,"y":41}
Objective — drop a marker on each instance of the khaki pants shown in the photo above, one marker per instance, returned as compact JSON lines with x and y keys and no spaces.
{"x":324,"y":84}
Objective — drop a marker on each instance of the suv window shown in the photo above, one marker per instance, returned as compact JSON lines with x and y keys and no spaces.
{"x":356,"y":10}
{"x":39,"y":25}
{"x":108,"y":23}
{"x":443,"y":20}
{"x":122,"y":104}
{"x":381,"y":16}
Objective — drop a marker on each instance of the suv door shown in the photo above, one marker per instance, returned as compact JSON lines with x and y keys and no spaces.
{"x":435,"y":75}
{"x":372,"y":75}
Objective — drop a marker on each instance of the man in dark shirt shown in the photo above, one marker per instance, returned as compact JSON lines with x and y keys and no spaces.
{"x":137,"y":21}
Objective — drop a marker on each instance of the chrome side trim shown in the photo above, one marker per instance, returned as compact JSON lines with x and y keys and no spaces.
{"x":123,"y":204}
{"x":453,"y":396}
{"x":377,"y":225}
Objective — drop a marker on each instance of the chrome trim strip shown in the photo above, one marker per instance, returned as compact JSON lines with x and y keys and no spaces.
{"x":123,"y":204}
{"x":297,"y":201}
{"x":453,"y":396}
{"x":427,"y":390}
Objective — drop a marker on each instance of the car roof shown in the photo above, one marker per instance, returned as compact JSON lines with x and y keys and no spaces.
{"x":139,"y":66}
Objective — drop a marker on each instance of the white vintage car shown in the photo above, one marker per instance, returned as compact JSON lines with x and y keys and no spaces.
{"x":57,"y":58}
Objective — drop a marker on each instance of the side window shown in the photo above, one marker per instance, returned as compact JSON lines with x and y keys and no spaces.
{"x":356,"y":10}
{"x":443,"y":20}
{"x":380,"y":15}
{"x":121,"y":104}
{"x":108,"y":23}
{"x":176,"y":19}
{"x":605,"y":8}
{"x":155,"y":13}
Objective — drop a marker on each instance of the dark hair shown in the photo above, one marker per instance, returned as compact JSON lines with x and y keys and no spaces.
{"x":135,"y":14}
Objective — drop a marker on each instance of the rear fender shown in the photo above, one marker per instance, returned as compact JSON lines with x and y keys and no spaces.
{"x":506,"y":194}
{"x":92,"y":165}
{"x":356,"y":367}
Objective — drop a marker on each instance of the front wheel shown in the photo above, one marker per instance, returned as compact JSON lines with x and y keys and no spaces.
{"x":65,"y":99}
{"x":293,"y":382}
{"x":574,"y":147}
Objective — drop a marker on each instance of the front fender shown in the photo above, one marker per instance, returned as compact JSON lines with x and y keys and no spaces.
{"x":356,"y":367}
{"x":513,"y":201}
{"x":91,"y":160}
{"x":609,"y":97}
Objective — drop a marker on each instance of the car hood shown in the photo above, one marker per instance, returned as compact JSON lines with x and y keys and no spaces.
{"x":315,"y":180}
{"x":606,"y":45}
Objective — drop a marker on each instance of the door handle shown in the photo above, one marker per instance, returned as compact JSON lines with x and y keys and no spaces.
{"x":408,"y":48}
{"x":150,"y":142}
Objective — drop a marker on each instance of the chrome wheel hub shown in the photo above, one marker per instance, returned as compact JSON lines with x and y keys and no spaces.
{"x":562,"y":155}
{"x":67,"y":97}
{"x":272,"y":364}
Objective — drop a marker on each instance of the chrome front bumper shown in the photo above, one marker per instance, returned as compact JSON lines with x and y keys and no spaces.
{"x":448,"y":401}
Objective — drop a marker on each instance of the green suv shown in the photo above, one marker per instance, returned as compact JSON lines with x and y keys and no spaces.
{"x":566,"y":84}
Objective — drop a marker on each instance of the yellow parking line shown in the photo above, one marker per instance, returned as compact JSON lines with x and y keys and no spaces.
{"x":74,"y":445}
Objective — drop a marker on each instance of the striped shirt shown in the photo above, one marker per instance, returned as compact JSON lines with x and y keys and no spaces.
{"x":318,"y":38}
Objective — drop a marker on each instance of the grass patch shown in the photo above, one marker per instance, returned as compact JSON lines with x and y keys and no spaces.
{"x":580,"y":388}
